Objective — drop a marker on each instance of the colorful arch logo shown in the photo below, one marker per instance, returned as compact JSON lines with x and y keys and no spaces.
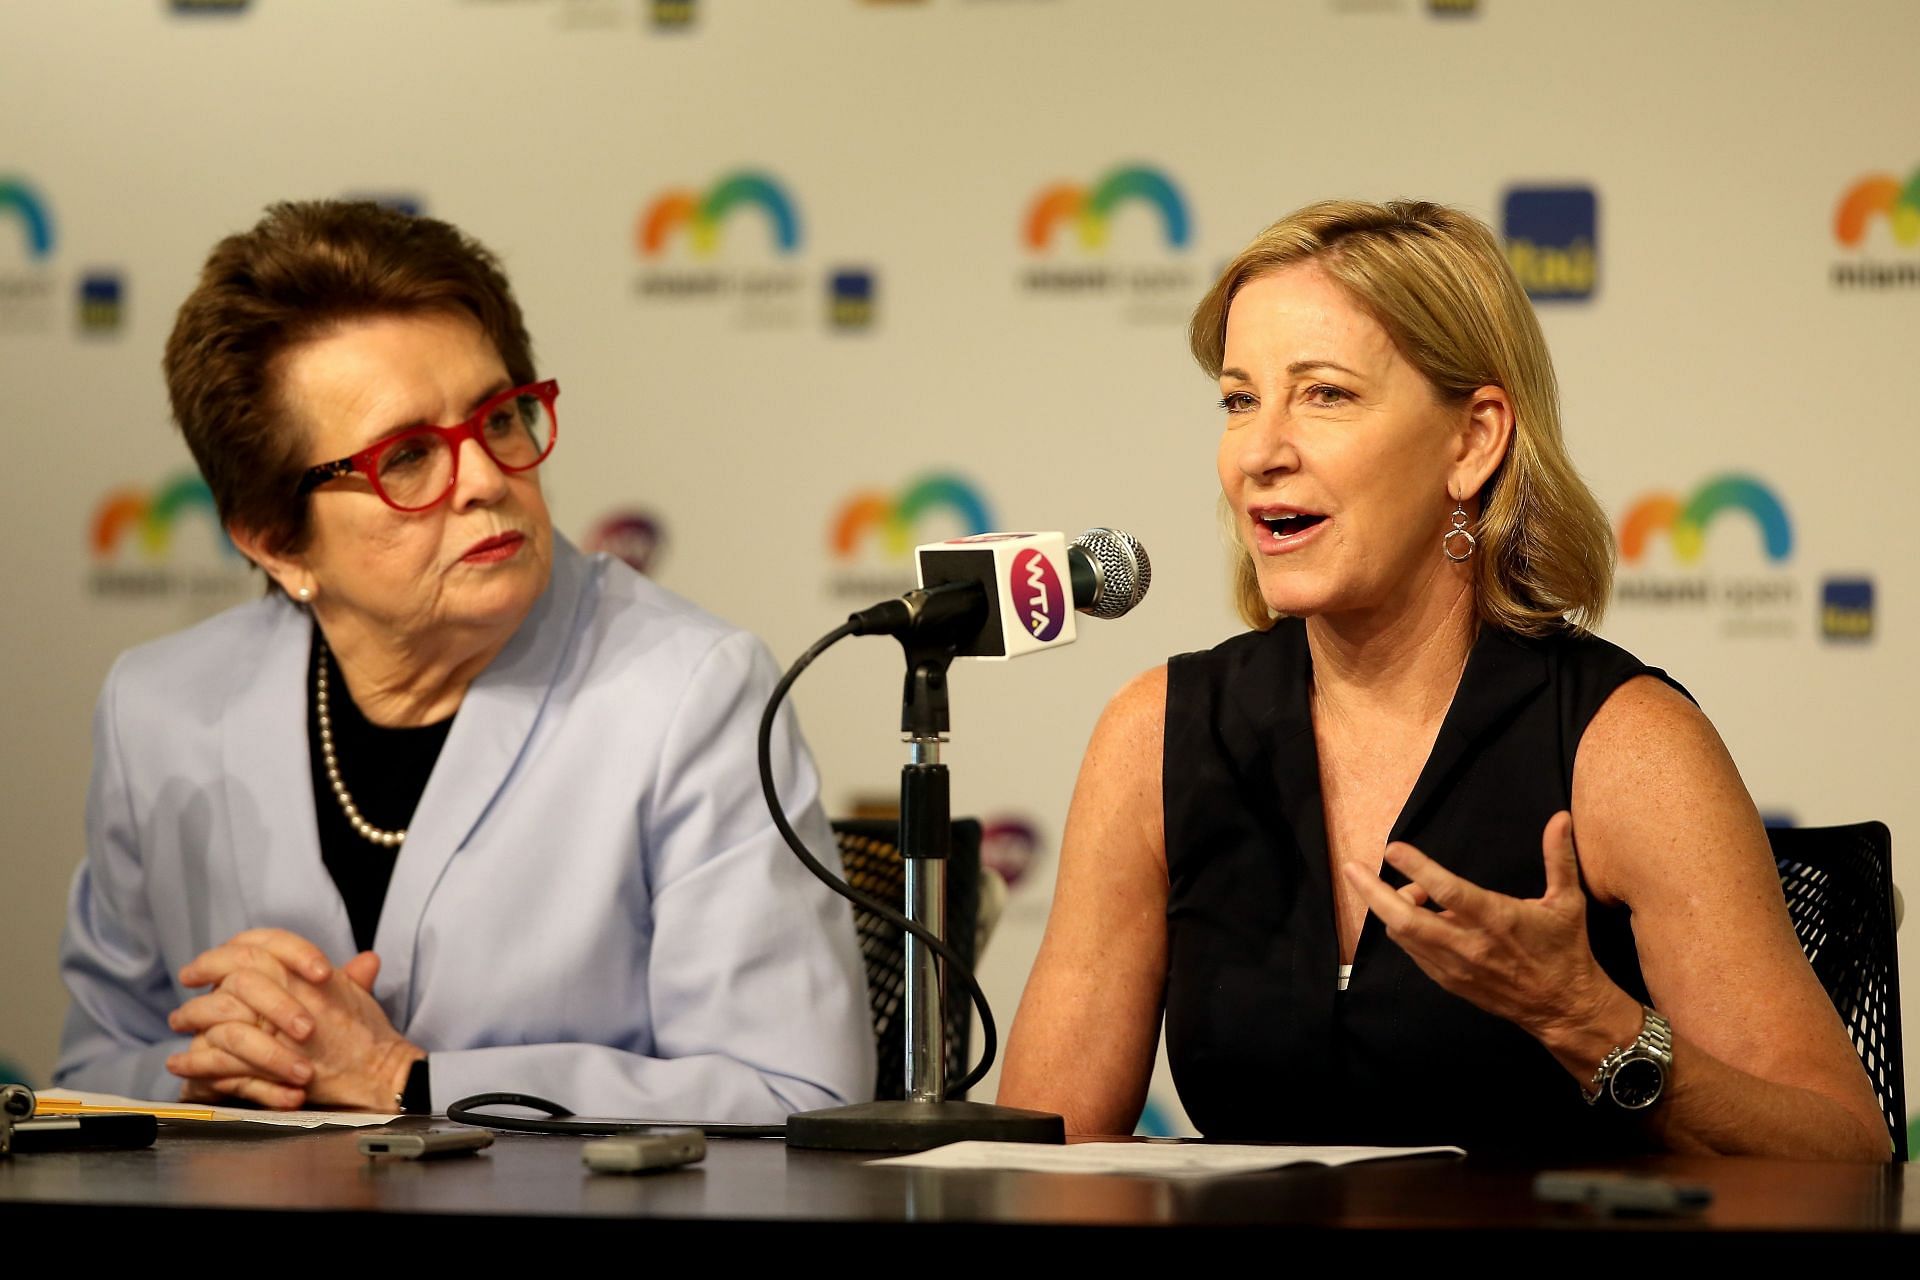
{"x":152,"y":515}
{"x":1879,"y":196}
{"x":25,"y":203}
{"x":1685,"y":523}
{"x":1090,"y":211}
{"x":895,"y":519}
{"x":702,"y":214}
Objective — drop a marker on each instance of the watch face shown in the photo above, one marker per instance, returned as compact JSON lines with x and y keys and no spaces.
{"x":1637,"y":1083}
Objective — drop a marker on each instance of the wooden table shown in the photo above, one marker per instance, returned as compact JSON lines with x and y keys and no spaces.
{"x":305,"y":1193}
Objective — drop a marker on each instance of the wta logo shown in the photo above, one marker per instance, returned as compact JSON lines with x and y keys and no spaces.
{"x":866,"y":516}
{"x":700,"y":216}
{"x":1879,"y":196}
{"x":1009,"y":844}
{"x":24,"y":204}
{"x":632,"y":536}
{"x":152,"y":516}
{"x":1685,"y":522}
{"x":1037,"y":598}
{"x":1089,"y":211}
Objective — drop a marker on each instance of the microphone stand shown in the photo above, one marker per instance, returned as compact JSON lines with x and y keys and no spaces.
{"x":924,"y":1118}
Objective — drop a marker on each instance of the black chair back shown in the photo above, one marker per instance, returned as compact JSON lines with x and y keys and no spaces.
{"x":870,"y":853}
{"x":1838,"y":883}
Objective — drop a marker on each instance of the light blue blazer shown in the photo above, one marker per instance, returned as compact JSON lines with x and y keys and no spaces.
{"x":592,"y":904}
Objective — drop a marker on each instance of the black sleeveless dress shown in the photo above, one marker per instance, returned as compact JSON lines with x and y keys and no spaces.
{"x":1262,"y":1045}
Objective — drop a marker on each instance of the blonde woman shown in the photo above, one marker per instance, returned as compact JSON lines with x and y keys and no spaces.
{"x":1419,"y":858}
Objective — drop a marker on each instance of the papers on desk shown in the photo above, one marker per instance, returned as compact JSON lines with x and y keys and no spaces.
{"x":72,"y":1102}
{"x":1146,"y":1159}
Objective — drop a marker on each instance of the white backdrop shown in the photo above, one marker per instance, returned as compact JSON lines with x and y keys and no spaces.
{"x":723,"y":408}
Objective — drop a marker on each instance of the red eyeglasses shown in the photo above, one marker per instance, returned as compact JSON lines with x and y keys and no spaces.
{"x":415,"y":469}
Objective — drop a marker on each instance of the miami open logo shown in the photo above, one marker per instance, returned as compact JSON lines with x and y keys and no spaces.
{"x":20,"y":203}
{"x":1685,"y":521}
{"x":692,"y":244}
{"x":1072,"y":228}
{"x":1089,"y":210}
{"x":1878,"y":212}
{"x":701,"y":215}
{"x":872,"y":534}
{"x":1041,"y":604}
{"x":26,"y":282}
{"x":1749,"y":600}
{"x":132,"y":535}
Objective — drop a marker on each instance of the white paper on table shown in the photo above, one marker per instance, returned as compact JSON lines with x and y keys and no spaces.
{"x":1149,"y":1159}
{"x":227,"y":1115}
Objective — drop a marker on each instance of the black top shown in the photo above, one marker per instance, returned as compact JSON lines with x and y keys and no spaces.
{"x":1261,"y":1045}
{"x":385,"y":771}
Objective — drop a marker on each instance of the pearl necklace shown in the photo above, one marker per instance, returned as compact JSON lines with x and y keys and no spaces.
{"x":364,"y":829}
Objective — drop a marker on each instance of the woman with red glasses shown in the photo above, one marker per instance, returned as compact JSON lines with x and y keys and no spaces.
{"x":454,"y":809}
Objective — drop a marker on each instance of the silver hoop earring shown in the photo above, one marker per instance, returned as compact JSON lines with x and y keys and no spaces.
{"x":1459,"y":530}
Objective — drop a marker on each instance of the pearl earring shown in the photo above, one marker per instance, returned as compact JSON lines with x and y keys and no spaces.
{"x":305,"y":594}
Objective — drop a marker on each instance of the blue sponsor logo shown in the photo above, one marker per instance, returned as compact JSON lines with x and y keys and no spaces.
{"x":1553,"y":241}
{"x":673,"y":15}
{"x":102,"y":301}
{"x":850,"y":299}
{"x":407,"y":202}
{"x":1846,"y":609}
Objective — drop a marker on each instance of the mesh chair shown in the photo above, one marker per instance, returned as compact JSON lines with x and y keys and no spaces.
{"x":1838,"y":883}
{"x":870,"y":853}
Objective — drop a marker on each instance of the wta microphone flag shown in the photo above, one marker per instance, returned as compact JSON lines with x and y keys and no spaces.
{"x":1027,"y":577}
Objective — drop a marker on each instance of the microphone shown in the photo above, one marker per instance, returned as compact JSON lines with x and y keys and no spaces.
{"x":1111,"y":572}
{"x":1004,"y":595}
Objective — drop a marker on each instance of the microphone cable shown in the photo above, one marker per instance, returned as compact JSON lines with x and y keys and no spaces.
{"x":989,"y":1041}
{"x":564,"y":1121}
{"x":560,"y":1120}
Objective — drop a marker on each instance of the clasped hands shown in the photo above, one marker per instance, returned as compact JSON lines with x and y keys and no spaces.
{"x":1525,"y":960}
{"x":283,"y":1028}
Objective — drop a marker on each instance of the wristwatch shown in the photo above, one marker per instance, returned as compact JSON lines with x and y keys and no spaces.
{"x":1635,"y":1075}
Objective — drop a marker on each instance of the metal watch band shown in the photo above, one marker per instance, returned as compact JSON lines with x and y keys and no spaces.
{"x":1655,"y":1041}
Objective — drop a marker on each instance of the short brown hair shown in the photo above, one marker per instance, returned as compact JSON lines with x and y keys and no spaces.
{"x":306,"y":267}
{"x":1435,"y":279}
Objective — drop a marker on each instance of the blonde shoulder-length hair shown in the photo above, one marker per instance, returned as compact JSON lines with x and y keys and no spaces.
{"x":1435,"y":279}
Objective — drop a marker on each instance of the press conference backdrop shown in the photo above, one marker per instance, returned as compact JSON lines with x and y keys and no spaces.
{"x":824,"y":278}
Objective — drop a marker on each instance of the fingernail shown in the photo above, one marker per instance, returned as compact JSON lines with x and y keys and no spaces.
{"x":319,"y":973}
{"x":302,"y":1072}
{"x":303,"y":1027}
